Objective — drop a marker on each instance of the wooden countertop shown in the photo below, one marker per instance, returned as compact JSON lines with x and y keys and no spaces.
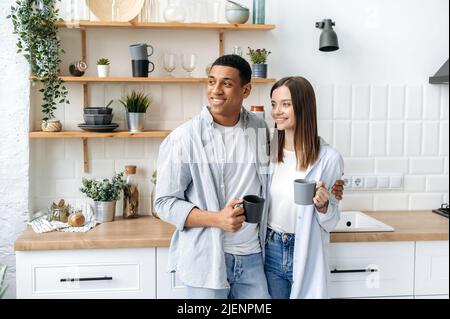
{"x":147,"y":231}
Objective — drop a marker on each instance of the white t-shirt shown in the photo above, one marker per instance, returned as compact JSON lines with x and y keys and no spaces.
{"x":240,"y":179}
{"x":282,"y":213}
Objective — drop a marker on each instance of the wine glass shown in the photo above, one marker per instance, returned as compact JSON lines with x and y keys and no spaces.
{"x":170,"y":63}
{"x":189,"y":63}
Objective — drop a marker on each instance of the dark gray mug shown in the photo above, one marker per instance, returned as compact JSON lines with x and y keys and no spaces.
{"x":139,"y":51}
{"x":141,"y":68}
{"x":304,"y":191}
{"x":253,"y":208}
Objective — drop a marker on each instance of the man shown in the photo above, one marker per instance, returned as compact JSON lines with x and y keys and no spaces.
{"x":203,"y":167}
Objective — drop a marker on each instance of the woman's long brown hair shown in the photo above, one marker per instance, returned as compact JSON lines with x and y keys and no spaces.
{"x":306,"y":138}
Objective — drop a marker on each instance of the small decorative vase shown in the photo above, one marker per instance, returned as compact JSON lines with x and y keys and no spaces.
{"x":260,"y":70}
{"x":259,"y":11}
{"x":51,"y":126}
{"x":104,"y":211}
{"x":136,"y":122}
{"x":103,"y":71}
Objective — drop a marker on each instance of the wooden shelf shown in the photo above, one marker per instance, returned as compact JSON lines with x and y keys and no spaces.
{"x":87,"y":79}
{"x":165,"y":25}
{"x":84,"y":134}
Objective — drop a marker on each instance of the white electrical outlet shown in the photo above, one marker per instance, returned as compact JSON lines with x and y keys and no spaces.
{"x":347,"y":181}
{"x":383,"y":182}
{"x":370,"y":182}
{"x":395,"y":182}
{"x":357,"y":182}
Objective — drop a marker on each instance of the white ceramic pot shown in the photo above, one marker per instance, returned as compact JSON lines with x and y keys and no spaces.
{"x":105,"y":211}
{"x":103,"y":71}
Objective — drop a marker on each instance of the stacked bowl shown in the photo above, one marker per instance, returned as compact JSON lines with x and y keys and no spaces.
{"x":98,"y":119}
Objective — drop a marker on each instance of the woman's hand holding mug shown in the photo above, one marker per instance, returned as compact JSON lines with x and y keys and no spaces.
{"x":321,"y":198}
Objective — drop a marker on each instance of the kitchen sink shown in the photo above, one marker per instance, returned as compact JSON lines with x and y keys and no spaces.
{"x":355,"y":221}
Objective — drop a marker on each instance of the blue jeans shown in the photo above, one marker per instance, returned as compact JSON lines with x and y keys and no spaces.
{"x":246,"y":277}
{"x":279,"y":262}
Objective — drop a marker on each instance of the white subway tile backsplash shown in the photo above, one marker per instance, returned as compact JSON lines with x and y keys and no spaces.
{"x":68,"y":187}
{"x":446,"y":165}
{"x":426,"y":165}
{"x":413,"y":138}
{"x":115,"y":148}
{"x":351,"y":201}
{"x":342,"y":137}
{"x":135,"y":148}
{"x":396,"y":102}
{"x":412,"y":183}
{"x":172,"y":106}
{"x":154,"y":111}
{"x":430,"y":141}
{"x":96,"y":94}
{"x":358,"y":166}
{"x":437,"y":184}
{"x":192,"y":100}
{"x":377,"y":139}
{"x":425,"y":201}
{"x":390,"y":201}
{"x":96,"y":148}
{"x":395,"y":140}
{"x":445,"y":198}
{"x":144,"y":169}
{"x":443,"y":138}
{"x":414,"y":97}
{"x":391,"y":165}
{"x":98,"y":169}
{"x":325,"y":129}
{"x":44,"y":187}
{"x":379,"y":102}
{"x":360,"y":138}
{"x":73,"y":148}
{"x":342,"y":102}
{"x":58,"y":169}
{"x":324,"y":96}
{"x":432,"y":102}
{"x":361,"y":102}
{"x":253,"y":99}
{"x":152,"y":149}
{"x":54,"y":149}
{"x":444,"y":102}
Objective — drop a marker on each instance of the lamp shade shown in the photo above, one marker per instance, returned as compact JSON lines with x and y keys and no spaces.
{"x":328,"y":38}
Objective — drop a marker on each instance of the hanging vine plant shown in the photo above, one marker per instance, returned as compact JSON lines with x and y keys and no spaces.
{"x":34,"y":23}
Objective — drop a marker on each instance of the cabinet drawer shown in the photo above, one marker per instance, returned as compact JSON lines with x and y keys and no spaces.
{"x":86,"y":273}
{"x":86,"y":278}
{"x":168,"y":284}
{"x":371,"y":269}
{"x":432,"y":264}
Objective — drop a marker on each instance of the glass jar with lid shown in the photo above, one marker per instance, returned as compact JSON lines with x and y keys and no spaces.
{"x":78,"y":68}
{"x":130,"y":193}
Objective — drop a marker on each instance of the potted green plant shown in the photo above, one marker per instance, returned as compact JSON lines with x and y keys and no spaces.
{"x":103,"y":68}
{"x":136,"y":104}
{"x":35,"y":23}
{"x":259,"y":59}
{"x":104,"y":193}
{"x":3,"y":284}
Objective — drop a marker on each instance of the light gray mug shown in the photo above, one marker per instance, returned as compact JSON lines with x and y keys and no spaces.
{"x":304,"y":191}
{"x":139,"y":51}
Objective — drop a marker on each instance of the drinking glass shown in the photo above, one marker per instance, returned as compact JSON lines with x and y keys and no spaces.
{"x":189,"y":63}
{"x":170,"y":63}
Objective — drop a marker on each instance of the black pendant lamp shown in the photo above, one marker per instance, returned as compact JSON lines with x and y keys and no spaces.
{"x":328,"y":39}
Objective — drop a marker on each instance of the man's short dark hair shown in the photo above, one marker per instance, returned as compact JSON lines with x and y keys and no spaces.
{"x":237,"y":62}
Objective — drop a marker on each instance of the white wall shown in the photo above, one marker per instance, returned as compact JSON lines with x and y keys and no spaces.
{"x":375,"y":104}
{"x":14,"y":147}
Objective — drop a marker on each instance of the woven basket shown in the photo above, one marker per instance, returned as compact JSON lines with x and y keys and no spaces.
{"x":51,"y":126}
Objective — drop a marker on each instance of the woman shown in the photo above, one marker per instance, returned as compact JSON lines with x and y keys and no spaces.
{"x":297,"y":236}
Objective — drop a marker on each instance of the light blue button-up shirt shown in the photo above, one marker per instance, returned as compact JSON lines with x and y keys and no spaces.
{"x":191,"y":175}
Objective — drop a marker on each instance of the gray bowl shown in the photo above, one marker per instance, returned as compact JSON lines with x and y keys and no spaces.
{"x":98,"y":110}
{"x":239,"y":16}
{"x":98,"y":119}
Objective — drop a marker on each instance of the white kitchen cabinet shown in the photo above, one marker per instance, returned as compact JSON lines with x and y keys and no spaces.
{"x":87,"y":273}
{"x":432,"y":268}
{"x":168,"y":286}
{"x":380,"y":269}
{"x":432,"y":297}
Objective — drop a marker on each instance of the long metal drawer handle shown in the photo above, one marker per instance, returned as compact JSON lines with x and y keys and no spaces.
{"x":336,"y":271}
{"x":86,"y":279}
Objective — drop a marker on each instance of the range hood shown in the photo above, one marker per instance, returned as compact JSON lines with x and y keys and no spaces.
{"x":441,"y":76}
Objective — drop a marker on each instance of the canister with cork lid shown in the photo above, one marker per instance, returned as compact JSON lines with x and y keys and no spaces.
{"x":130,"y":193}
